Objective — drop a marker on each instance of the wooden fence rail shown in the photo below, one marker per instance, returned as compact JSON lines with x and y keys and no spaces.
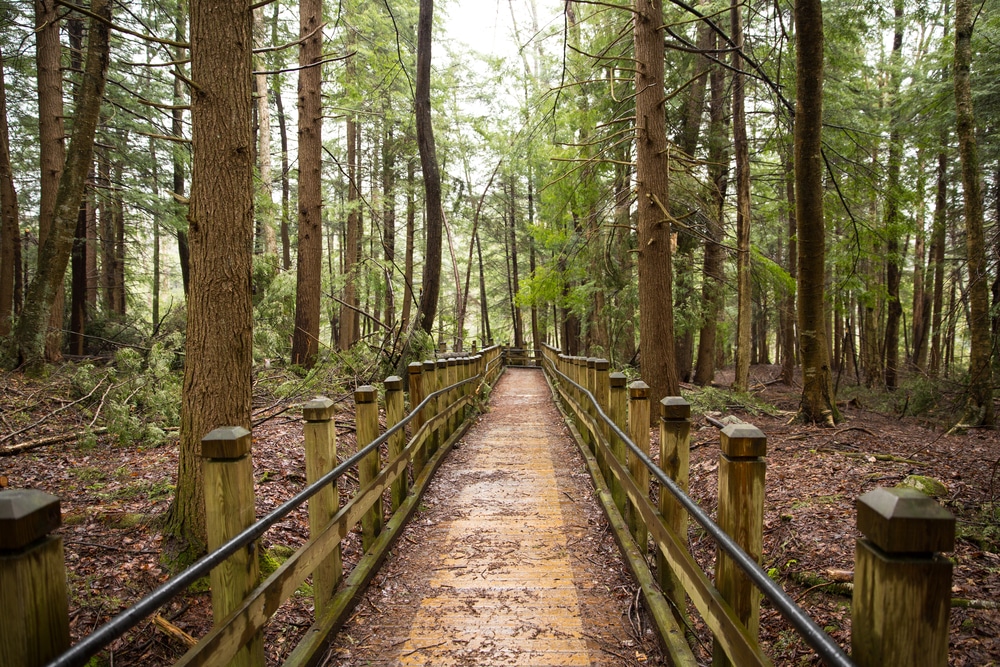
{"x":902,"y":583}
{"x":442,"y":393}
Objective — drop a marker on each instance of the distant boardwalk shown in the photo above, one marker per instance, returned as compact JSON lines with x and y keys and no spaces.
{"x":509,"y":562}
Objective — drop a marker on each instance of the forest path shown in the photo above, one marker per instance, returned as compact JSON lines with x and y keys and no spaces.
{"x":508,"y":562}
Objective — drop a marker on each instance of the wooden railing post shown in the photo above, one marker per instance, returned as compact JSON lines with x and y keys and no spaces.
{"x":741,"y":516}
{"x":229,"y":509}
{"x":618,"y":412}
{"x":394,"y":415}
{"x":35,"y":627}
{"x":675,"y":454}
{"x":902,"y":585}
{"x":430,"y":386}
{"x":601,"y":393}
{"x":366,"y":421}
{"x":417,"y":394}
{"x":638,"y":426}
{"x":446,"y":378}
{"x":320,"y":434}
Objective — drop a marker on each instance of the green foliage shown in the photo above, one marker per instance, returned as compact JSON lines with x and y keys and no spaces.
{"x":274,"y":313}
{"x":714,"y":399}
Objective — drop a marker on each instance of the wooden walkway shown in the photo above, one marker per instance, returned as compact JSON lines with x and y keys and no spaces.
{"x":508,"y":562}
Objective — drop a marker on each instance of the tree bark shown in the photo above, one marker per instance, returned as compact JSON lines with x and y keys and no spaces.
{"x":656,"y":317}
{"x":741,"y":149}
{"x":177,"y":129}
{"x":818,"y":403}
{"x":431,"y":282}
{"x":389,"y":212}
{"x":979,"y":408}
{"x":348,"y":314}
{"x":10,"y":229}
{"x":305,"y":340}
{"x":268,"y":237}
{"x":411,"y":215}
{"x":788,"y":350}
{"x":892,"y":214}
{"x":217,"y":364}
{"x":54,"y":253}
{"x":937,"y":257}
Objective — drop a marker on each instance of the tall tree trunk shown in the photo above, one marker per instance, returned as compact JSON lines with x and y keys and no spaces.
{"x":818,"y":402}
{"x":921,"y":287}
{"x":979,"y":408}
{"x":431,"y":282}
{"x":51,"y":148}
{"x":515,"y":273}
{"x":411,"y":215}
{"x":268,"y":237}
{"x":656,"y":317}
{"x":177,"y":129}
{"x":741,"y":150}
{"x":938,"y":231}
{"x":54,"y":254}
{"x":389,"y":213}
{"x":286,"y":244}
{"x":536,"y":335}
{"x":107,"y":234}
{"x":305,"y":340}
{"x":348,"y":314}
{"x":78,"y":256}
{"x":788,"y":349}
{"x":713,"y":270}
{"x":118,"y":213}
{"x":484,"y":310}
{"x":10,"y":229}
{"x":155,"y":178}
{"x":217,"y":364}
{"x":893,"y":221}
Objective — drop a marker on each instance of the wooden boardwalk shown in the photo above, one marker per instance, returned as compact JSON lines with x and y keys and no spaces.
{"x":508,"y":561}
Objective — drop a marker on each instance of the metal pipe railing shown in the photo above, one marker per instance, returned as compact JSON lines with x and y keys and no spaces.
{"x":87,"y":647}
{"x":827,"y":649}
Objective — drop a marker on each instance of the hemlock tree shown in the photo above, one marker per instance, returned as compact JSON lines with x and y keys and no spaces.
{"x":656,"y":318}
{"x":218,"y":360}
{"x":54,"y":252}
{"x":305,"y":340}
{"x":818,"y":403}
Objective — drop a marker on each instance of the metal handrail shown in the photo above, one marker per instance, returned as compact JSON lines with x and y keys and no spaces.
{"x":827,"y":649}
{"x":88,"y":647}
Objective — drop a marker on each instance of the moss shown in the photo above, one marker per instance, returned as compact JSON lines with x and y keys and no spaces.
{"x":926,"y":485}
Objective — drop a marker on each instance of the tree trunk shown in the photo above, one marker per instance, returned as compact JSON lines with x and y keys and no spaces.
{"x":656,"y":317}
{"x":78,"y":256}
{"x":10,"y":229}
{"x":286,"y":244}
{"x":51,"y":149}
{"x":979,"y":408}
{"x":54,"y":254}
{"x":788,"y":350}
{"x":411,"y":215}
{"x":818,"y":403}
{"x":349,"y":316}
{"x":713,"y":271}
{"x":431,"y":283}
{"x":177,"y":129}
{"x":268,"y":237}
{"x":217,"y":364}
{"x":484,"y":310}
{"x":893,"y":220}
{"x":389,"y":214}
{"x":305,"y":340}
{"x":937,"y":257}
{"x":921,"y":293}
{"x":741,"y":149}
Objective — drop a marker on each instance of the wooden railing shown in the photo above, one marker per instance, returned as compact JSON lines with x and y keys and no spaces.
{"x":902,"y":589}
{"x":442,"y":394}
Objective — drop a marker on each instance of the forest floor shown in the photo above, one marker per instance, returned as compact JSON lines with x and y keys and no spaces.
{"x":113,"y":497}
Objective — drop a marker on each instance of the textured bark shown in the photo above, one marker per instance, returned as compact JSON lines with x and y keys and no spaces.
{"x":788,"y":350}
{"x":431,"y":282}
{"x":268,"y":238}
{"x":305,"y":340}
{"x":741,"y":150}
{"x":818,"y":403}
{"x":54,"y":253}
{"x":389,"y":214}
{"x":348,"y":315}
{"x":893,"y":218}
{"x":177,"y":129}
{"x":713,"y":271}
{"x":921,"y":287}
{"x":78,"y":257}
{"x":411,"y":215}
{"x":217,"y":364}
{"x":286,"y":244}
{"x":979,"y":408}
{"x":656,"y":318}
{"x":937,"y":259}
{"x":51,"y":148}
{"x":9,"y":222}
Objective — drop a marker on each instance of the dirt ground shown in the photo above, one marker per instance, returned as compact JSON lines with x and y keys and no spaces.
{"x":113,"y":496}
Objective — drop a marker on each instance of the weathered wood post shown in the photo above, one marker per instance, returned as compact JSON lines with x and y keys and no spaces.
{"x":229,"y":509}
{"x":451,"y":376}
{"x":394,"y":415}
{"x":416,"y":380}
{"x":618,"y":411}
{"x":366,"y":421}
{"x":902,"y":584}
{"x":431,"y":411}
{"x":638,"y":423}
{"x":675,"y":455}
{"x":590,"y":382}
{"x":320,"y":434}
{"x":741,"y":515}
{"x":601,"y":393}
{"x":35,"y":627}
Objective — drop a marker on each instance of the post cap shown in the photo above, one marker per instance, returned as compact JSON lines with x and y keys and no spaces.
{"x":442,"y":363}
{"x":320,"y":409}
{"x":638,"y":390}
{"x":905,"y":520}
{"x":618,"y":380}
{"x":452,"y":361}
{"x":365,"y":394}
{"x":674,"y":407}
{"x":227,"y":442}
{"x":393,"y":383}
{"x":26,"y":515}
{"x":592,"y":362}
{"x":415,"y":368}
{"x":743,"y":441}
{"x":429,"y":365}
{"x":602,"y":364}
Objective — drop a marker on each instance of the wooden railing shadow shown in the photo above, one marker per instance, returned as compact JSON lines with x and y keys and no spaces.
{"x":902,"y":590}
{"x":442,"y":394}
